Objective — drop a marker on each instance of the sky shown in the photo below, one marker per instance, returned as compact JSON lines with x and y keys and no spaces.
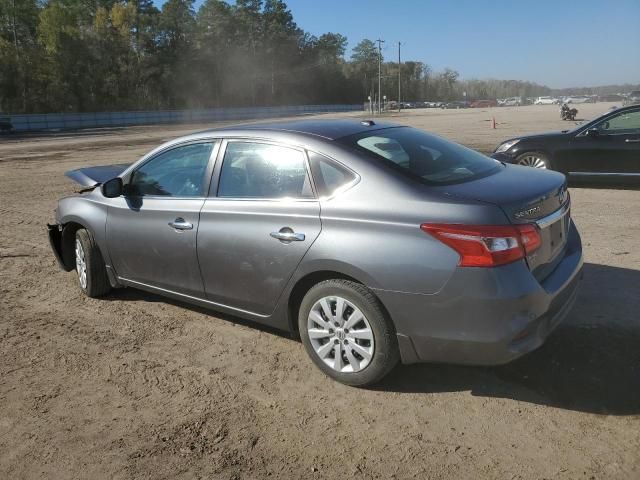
{"x":561,"y":43}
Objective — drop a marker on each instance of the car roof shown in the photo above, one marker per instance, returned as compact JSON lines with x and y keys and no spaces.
{"x":328,"y":129}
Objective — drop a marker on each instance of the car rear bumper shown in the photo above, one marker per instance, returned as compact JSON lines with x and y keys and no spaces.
{"x":486,"y":316}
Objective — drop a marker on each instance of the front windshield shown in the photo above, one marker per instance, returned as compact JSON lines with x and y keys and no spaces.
{"x":427,"y":158}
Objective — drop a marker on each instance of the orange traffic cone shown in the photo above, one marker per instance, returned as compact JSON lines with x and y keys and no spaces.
{"x":493,"y":122}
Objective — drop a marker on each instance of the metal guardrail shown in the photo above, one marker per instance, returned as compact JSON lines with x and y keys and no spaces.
{"x":54,"y":121}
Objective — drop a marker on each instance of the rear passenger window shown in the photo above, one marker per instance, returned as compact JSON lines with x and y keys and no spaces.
{"x":259,"y":170}
{"x":328,"y":175}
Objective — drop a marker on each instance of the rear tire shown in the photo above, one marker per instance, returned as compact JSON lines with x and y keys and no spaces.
{"x":90,"y":267}
{"x":361,"y":333}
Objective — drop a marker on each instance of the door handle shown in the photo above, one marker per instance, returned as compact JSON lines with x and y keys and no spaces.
{"x":632,"y":140}
{"x":287,"y":235}
{"x":181,"y":224}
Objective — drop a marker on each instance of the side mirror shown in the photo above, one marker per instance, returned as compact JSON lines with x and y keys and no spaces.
{"x":112,"y":188}
{"x":593,"y":132}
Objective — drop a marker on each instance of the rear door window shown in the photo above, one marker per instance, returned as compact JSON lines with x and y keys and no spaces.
{"x":261,"y":170}
{"x":329,"y":176}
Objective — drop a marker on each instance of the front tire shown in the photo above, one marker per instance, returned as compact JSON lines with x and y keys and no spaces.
{"x":346,"y":333}
{"x":90,"y":267}
{"x":533,"y":159}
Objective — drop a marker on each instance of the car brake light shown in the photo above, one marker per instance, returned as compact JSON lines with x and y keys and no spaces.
{"x":486,"y":245}
{"x":529,"y":237}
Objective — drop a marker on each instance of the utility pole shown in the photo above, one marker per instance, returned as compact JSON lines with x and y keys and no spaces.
{"x":399,"y":75}
{"x":380,"y":42}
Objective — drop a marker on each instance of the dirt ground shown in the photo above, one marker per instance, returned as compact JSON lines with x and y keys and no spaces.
{"x":135,"y":386}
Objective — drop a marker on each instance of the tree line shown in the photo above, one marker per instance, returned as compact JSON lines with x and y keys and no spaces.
{"x":98,"y":55}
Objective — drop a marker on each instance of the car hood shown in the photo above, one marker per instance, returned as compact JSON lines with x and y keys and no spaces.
{"x":92,"y":176}
{"x":539,"y":136}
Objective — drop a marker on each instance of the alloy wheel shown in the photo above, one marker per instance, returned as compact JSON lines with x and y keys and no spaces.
{"x":340,"y":334}
{"x":81,"y":265}
{"x":532,"y":160}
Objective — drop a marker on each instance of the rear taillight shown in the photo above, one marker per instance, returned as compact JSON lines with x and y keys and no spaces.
{"x":486,"y":245}
{"x":529,"y":237}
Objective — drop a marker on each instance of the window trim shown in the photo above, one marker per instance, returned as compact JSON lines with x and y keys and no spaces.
{"x":128,"y":175}
{"x":214,"y":186}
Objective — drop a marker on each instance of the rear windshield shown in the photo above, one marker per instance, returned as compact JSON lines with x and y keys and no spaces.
{"x":423,"y":157}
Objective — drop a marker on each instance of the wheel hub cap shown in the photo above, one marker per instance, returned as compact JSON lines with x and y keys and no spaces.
{"x":81,"y":266}
{"x":340,"y":334}
{"x":533,"y":161}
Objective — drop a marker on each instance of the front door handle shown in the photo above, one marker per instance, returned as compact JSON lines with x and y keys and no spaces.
{"x":632,"y":140}
{"x":181,"y":224}
{"x":287,"y":235}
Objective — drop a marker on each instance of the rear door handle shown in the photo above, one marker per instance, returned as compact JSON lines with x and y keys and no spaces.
{"x":181,"y":224}
{"x":632,"y":140}
{"x":285,"y":235}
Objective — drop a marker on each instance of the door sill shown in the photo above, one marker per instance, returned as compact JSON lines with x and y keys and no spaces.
{"x":189,"y":298}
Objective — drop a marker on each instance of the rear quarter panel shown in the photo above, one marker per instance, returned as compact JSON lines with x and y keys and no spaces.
{"x":372,"y":233}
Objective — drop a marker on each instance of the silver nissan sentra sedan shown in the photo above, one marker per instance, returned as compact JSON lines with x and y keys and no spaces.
{"x":376,"y":243}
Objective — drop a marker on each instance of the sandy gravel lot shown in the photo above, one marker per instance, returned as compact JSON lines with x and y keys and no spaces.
{"x":134,"y":386}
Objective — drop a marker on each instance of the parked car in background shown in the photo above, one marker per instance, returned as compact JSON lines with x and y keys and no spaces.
{"x":611,"y":98}
{"x":511,"y":102}
{"x":606,"y":149}
{"x":633,"y":98}
{"x":483,"y":104}
{"x":5,"y":123}
{"x":546,"y":101}
{"x":374,"y":243}
{"x":455,"y":105}
{"x":578,"y":99}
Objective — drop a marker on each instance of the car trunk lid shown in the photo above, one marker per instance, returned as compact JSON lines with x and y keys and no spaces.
{"x":526,"y":195}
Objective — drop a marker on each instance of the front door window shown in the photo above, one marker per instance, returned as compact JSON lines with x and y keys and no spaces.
{"x":179,"y":172}
{"x":623,"y":123}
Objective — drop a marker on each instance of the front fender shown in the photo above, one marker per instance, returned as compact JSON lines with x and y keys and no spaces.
{"x":534,"y":147}
{"x":83,"y":212}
